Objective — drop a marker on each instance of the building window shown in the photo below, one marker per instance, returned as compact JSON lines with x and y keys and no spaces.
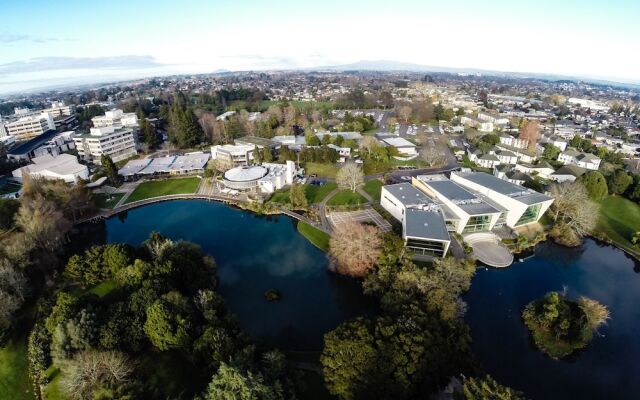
{"x":426,"y":247}
{"x":530,"y":214}
{"x":478,"y":223}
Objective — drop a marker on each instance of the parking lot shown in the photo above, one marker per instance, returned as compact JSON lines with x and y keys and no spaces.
{"x":362,"y":216}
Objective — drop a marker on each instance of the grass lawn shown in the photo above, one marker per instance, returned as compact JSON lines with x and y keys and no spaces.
{"x":326,"y":170}
{"x":52,"y":391}
{"x":317,"y":237}
{"x":373,"y":188}
{"x":14,"y":378}
{"x":147,"y":190}
{"x":103,"y":202}
{"x":103,"y":288}
{"x":281,"y":197}
{"x":619,"y":219}
{"x":346,"y":198}
{"x":315,"y":194}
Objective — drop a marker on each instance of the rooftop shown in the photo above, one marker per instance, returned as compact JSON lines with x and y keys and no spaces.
{"x":425,"y":224}
{"x":407,"y":194}
{"x":34,"y":143}
{"x":398,"y":142}
{"x":245,"y":174}
{"x":523,"y":195}
{"x":469,"y":202}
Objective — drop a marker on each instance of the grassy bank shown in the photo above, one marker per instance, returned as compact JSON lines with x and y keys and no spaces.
{"x":619,"y":219}
{"x":317,"y":237}
{"x":148,"y":190}
{"x":14,"y":378}
{"x":346,"y":198}
{"x":373,"y":188}
{"x":104,"y":201}
{"x":326,"y":170}
{"x":313,"y":193}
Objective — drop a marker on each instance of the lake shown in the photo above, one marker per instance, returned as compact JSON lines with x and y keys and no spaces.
{"x":254,"y":254}
{"x":609,"y":368}
{"x":257,"y":253}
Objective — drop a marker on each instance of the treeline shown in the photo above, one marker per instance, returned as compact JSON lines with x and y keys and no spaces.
{"x":162,"y":298}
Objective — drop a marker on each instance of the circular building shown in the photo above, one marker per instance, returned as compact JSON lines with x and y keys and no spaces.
{"x":244,"y":178}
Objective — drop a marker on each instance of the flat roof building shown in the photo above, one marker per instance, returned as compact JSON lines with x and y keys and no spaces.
{"x":192,"y":163}
{"x":423,"y":227}
{"x":116,"y":142}
{"x":115,"y":118}
{"x":64,"y":166}
{"x":465,"y":211}
{"x":229,"y":156}
{"x":28,"y":127}
{"x":523,"y":206}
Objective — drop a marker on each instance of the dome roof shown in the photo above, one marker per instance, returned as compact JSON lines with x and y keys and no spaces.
{"x":245,"y":174}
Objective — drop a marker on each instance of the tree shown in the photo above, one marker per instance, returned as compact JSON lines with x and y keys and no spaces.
{"x":13,"y":291}
{"x":576,"y":142}
{"x":486,"y":388}
{"x":168,"y":323}
{"x":431,"y":156}
{"x":184,"y":129}
{"x":575,"y":214}
{"x":91,"y":372}
{"x":297,"y":196}
{"x":42,"y":223}
{"x":148,"y":133}
{"x":110,"y":170}
{"x":619,"y":182}
{"x":267,"y":155}
{"x":354,"y":248}
{"x":350,"y":176}
{"x":597,"y":314}
{"x":595,"y":184}
{"x":551,"y":152}
{"x":8,"y":210}
{"x":234,"y":383}
{"x":530,"y":131}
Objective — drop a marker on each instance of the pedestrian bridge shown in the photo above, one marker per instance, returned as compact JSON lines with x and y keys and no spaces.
{"x":489,"y":249}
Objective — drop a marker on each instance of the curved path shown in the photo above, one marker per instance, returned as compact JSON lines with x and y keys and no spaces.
{"x":489,"y":249}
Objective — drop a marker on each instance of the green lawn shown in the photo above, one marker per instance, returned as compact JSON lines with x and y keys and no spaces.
{"x":147,"y":190}
{"x":326,"y":170}
{"x":373,"y":188}
{"x":619,"y":219}
{"x":14,"y":378}
{"x":102,"y":200}
{"x":315,"y":194}
{"x":319,"y":238}
{"x":104,"y":288}
{"x":346,"y":198}
{"x":280,"y":197}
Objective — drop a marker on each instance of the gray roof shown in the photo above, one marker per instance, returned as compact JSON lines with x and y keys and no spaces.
{"x":407,"y":194}
{"x":425,"y":224}
{"x":467,"y":201}
{"x":523,"y":195}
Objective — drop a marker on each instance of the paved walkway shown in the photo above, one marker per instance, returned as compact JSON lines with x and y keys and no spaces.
{"x":322,"y":210}
{"x":489,"y":249}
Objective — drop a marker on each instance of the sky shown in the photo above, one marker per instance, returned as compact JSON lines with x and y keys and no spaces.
{"x":45,"y":43}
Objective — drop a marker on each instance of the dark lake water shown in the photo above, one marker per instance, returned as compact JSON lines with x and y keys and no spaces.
{"x":609,"y":368}
{"x":257,"y":253}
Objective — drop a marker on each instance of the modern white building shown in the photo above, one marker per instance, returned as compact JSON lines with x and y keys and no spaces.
{"x":63,"y":166}
{"x":229,"y":156}
{"x":514,"y":141}
{"x":584,"y":160}
{"x":117,"y":143}
{"x":423,"y":226}
{"x":522,"y":206}
{"x":191,"y":163}
{"x":487,"y":160}
{"x":28,"y":127}
{"x":115,"y":118}
{"x":464,"y":210}
{"x":265,"y":178}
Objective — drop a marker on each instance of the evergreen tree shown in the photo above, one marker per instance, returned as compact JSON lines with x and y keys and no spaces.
{"x":148,"y":134}
{"x":267,"y":156}
{"x":595,"y":184}
{"x":257,"y":155}
{"x":110,"y":170}
{"x":184,"y":129}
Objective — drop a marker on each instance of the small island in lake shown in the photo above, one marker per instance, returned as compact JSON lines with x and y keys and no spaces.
{"x":272,"y":295}
{"x":560,"y":326}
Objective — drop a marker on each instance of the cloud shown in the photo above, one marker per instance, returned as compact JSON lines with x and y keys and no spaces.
{"x":18,"y":37}
{"x":70,"y":63}
{"x":258,"y":60}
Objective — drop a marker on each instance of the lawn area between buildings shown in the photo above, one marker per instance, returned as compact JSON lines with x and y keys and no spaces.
{"x":373,"y":188}
{"x":103,"y":201}
{"x":151,"y":189}
{"x":346,"y":198}
{"x":619,"y":219}
{"x":326,"y":170}
{"x":317,"y":237}
{"x":313,"y":193}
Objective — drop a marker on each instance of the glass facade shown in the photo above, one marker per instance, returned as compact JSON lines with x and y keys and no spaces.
{"x":478,"y":223}
{"x":530,"y":214}
{"x":426,"y":247}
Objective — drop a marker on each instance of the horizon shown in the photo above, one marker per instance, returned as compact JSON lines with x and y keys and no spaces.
{"x":577,"y":42}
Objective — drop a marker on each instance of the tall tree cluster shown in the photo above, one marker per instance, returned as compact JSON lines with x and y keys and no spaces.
{"x":184,"y":129}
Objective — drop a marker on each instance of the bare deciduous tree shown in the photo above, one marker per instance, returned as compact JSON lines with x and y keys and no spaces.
{"x":350,"y":176}
{"x":597,"y":314}
{"x":354,"y":248}
{"x":42,"y":223}
{"x":431,"y":156}
{"x":92,"y":370}
{"x":13,"y":290}
{"x":530,"y":131}
{"x":574,"y":212}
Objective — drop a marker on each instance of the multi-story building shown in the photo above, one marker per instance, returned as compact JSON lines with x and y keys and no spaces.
{"x":117,"y":143}
{"x":229,"y":156}
{"x":423,"y":226}
{"x":522,"y":206}
{"x":28,"y":127}
{"x":574,"y":157}
{"x":482,"y":126}
{"x":116,"y":118}
{"x":514,"y":141}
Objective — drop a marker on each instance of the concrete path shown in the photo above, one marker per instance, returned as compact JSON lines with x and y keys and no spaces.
{"x":489,"y":249}
{"x":322,"y":210}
